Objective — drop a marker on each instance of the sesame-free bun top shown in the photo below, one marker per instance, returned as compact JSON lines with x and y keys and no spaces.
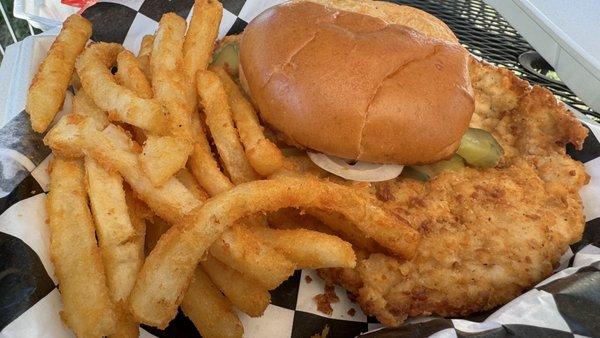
{"x":363,"y":80}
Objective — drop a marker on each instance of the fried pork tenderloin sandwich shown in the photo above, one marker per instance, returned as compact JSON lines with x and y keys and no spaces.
{"x":485,"y":177}
{"x":360,"y":81}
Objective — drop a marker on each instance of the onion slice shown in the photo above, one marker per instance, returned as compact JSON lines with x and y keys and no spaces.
{"x":357,"y":171}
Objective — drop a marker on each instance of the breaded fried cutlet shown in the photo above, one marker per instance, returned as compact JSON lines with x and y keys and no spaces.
{"x":487,"y":235}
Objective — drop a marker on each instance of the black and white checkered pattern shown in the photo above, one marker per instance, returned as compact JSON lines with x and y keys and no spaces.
{"x":565,"y":305}
{"x":126,"y":22}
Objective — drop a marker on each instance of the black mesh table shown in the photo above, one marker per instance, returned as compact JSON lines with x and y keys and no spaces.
{"x":486,"y":34}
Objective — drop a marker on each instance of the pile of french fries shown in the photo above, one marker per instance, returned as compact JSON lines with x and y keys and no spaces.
{"x":144,"y":219}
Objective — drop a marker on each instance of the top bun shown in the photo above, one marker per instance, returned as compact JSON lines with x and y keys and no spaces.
{"x":395,"y":14}
{"x":363,"y":80}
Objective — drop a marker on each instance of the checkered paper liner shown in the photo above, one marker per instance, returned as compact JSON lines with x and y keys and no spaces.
{"x":565,"y":305}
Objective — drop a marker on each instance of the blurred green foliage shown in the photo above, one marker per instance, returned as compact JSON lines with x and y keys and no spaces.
{"x":20,"y":27}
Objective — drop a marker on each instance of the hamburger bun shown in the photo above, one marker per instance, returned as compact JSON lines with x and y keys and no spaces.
{"x":361,"y":80}
{"x":395,"y":14}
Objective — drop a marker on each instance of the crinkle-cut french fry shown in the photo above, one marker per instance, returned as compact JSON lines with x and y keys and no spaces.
{"x":297,"y":164}
{"x":126,"y":324}
{"x":77,"y":260}
{"x":130,"y":75}
{"x":263,"y":155}
{"x":309,"y":249}
{"x":218,"y":118}
{"x":200,"y":38}
{"x":188,"y":180}
{"x":49,"y":85}
{"x":122,"y":104}
{"x":144,"y":55}
{"x":187,"y":242}
{"x":203,"y":303}
{"x":138,"y":220}
{"x":137,"y":207}
{"x":203,"y":165}
{"x":210,"y":311}
{"x":241,"y":250}
{"x":324,"y":222}
{"x":171,"y":201}
{"x":169,"y":267}
{"x":245,"y":293}
{"x":346,"y":230}
{"x":85,"y":106}
{"x":133,"y":253}
{"x":120,"y":233}
{"x":120,"y":237}
{"x":335,"y":224}
{"x":62,"y":136}
{"x":171,"y":87}
{"x":290,"y":219}
{"x":114,"y":150}
{"x":107,"y":200}
{"x":163,"y":156}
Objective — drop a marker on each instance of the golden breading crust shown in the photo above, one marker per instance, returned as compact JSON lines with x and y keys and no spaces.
{"x":488,"y":235}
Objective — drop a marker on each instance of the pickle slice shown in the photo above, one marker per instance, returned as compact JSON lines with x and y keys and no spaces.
{"x":455,"y":163}
{"x":420,"y":173}
{"x":477,"y":148}
{"x":429,"y":171}
{"x":480,"y":149}
{"x":228,"y":56}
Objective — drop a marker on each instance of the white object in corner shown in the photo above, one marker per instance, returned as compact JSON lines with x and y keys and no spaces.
{"x":42,"y":14}
{"x":565,"y":33}
{"x":19,"y":65}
